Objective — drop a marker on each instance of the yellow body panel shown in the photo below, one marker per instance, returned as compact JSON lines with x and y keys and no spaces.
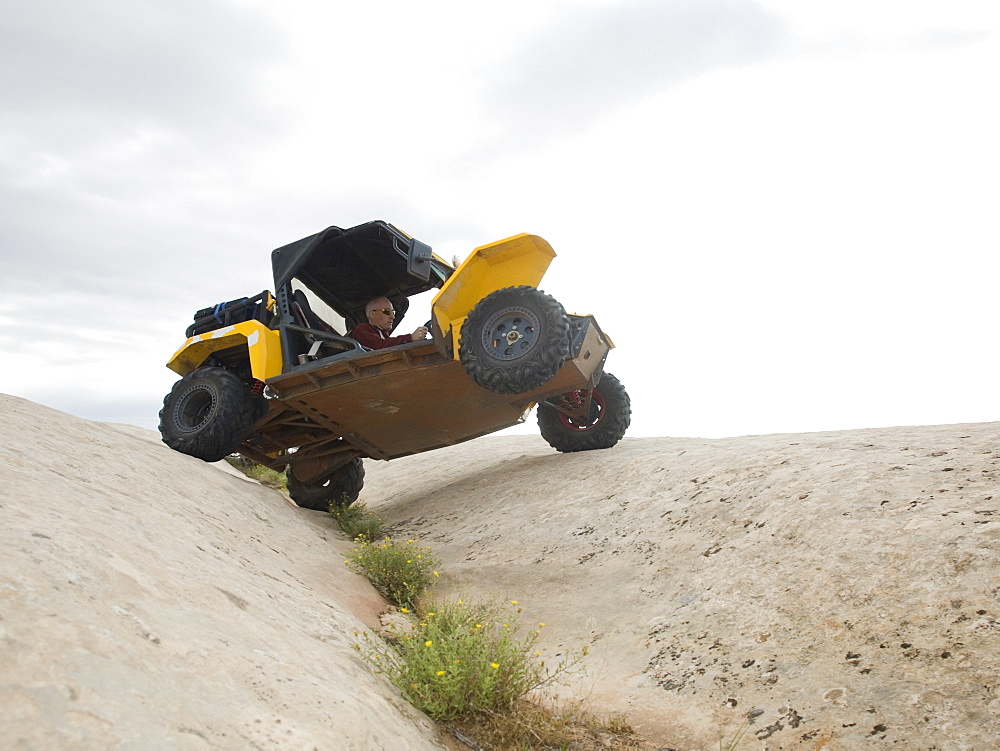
{"x":263,"y":344}
{"x":518,"y":260}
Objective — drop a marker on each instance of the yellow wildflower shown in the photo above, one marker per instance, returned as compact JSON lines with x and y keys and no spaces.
{"x":440,"y":672}
{"x":428,"y":643}
{"x":494,"y":665}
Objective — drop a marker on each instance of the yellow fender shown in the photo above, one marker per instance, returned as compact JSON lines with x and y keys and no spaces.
{"x":518,"y":260}
{"x":264,"y":347}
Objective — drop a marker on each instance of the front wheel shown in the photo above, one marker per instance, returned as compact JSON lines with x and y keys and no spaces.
{"x":341,"y":489}
{"x":609,"y":418}
{"x":208,"y":413}
{"x":514,"y":340}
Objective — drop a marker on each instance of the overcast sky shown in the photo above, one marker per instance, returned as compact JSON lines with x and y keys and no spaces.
{"x":784,"y":212}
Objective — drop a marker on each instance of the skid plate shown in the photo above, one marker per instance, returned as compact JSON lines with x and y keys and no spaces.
{"x":404,"y":400}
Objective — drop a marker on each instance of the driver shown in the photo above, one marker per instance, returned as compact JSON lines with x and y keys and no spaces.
{"x":375,"y":333}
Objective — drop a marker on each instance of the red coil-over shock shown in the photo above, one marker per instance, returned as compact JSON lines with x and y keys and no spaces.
{"x":257,"y":389}
{"x":573,"y":399}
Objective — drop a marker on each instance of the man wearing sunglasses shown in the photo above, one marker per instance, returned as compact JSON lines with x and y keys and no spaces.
{"x":375,"y":333}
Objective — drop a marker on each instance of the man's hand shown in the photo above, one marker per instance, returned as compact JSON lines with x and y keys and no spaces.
{"x":419,"y":334}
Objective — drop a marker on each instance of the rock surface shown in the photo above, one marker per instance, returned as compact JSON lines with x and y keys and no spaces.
{"x":842,"y":588}
{"x":150,"y":600}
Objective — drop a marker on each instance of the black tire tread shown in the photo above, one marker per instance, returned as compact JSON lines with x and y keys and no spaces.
{"x":342,"y":489}
{"x":605,"y":434}
{"x":519,"y":376}
{"x":235,"y":411}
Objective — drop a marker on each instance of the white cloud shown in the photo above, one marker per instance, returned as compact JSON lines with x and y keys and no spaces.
{"x":780,"y":211}
{"x":582,"y":64}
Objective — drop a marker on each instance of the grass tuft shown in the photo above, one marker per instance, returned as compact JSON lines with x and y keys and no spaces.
{"x":465,"y":665}
{"x":357,"y":521}
{"x":460,"y":659}
{"x":400,"y":571}
{"x":260,"y":473}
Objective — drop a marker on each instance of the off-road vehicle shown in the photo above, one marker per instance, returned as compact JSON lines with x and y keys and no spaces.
{"x":274,"y":378}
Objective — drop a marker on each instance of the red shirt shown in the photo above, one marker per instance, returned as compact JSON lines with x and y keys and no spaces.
{"x":376,"y":338}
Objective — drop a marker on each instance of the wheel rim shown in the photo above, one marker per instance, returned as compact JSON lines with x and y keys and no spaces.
{"x":194,"y":409}
{"x":597,"y":407}
{"x":511,"y":333}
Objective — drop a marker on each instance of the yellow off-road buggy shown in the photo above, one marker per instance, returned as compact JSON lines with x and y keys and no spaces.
{"x":273,"y":377}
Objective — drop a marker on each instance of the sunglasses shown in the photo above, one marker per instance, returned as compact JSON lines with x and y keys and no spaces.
{"x":384,"y":311}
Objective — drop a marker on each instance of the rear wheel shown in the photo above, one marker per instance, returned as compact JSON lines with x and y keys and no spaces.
{"x":340,"y":489}
{"x":514,"y":340}
{"x":609,"y":418}
{"x":208,"y":413}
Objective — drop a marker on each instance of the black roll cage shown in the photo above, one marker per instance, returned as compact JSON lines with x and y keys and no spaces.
{"x":345,"y":268}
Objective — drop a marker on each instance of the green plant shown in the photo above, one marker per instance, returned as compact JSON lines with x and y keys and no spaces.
{"x":357,"y":521}
{"x":269,"y":477}
{"x":260,"y":473}
{"x":400,"y":571}
{"x":459,"y":659}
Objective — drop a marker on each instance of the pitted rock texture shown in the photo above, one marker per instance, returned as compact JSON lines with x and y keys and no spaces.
{"x":840,"y":589}
{"x":836,"y":590}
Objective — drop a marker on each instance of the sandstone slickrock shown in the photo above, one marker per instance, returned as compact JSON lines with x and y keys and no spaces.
{"x":842,"y":588}
{"x":149,"y":600}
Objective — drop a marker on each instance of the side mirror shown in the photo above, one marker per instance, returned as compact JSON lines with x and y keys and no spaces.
{"x":418,"y":259}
